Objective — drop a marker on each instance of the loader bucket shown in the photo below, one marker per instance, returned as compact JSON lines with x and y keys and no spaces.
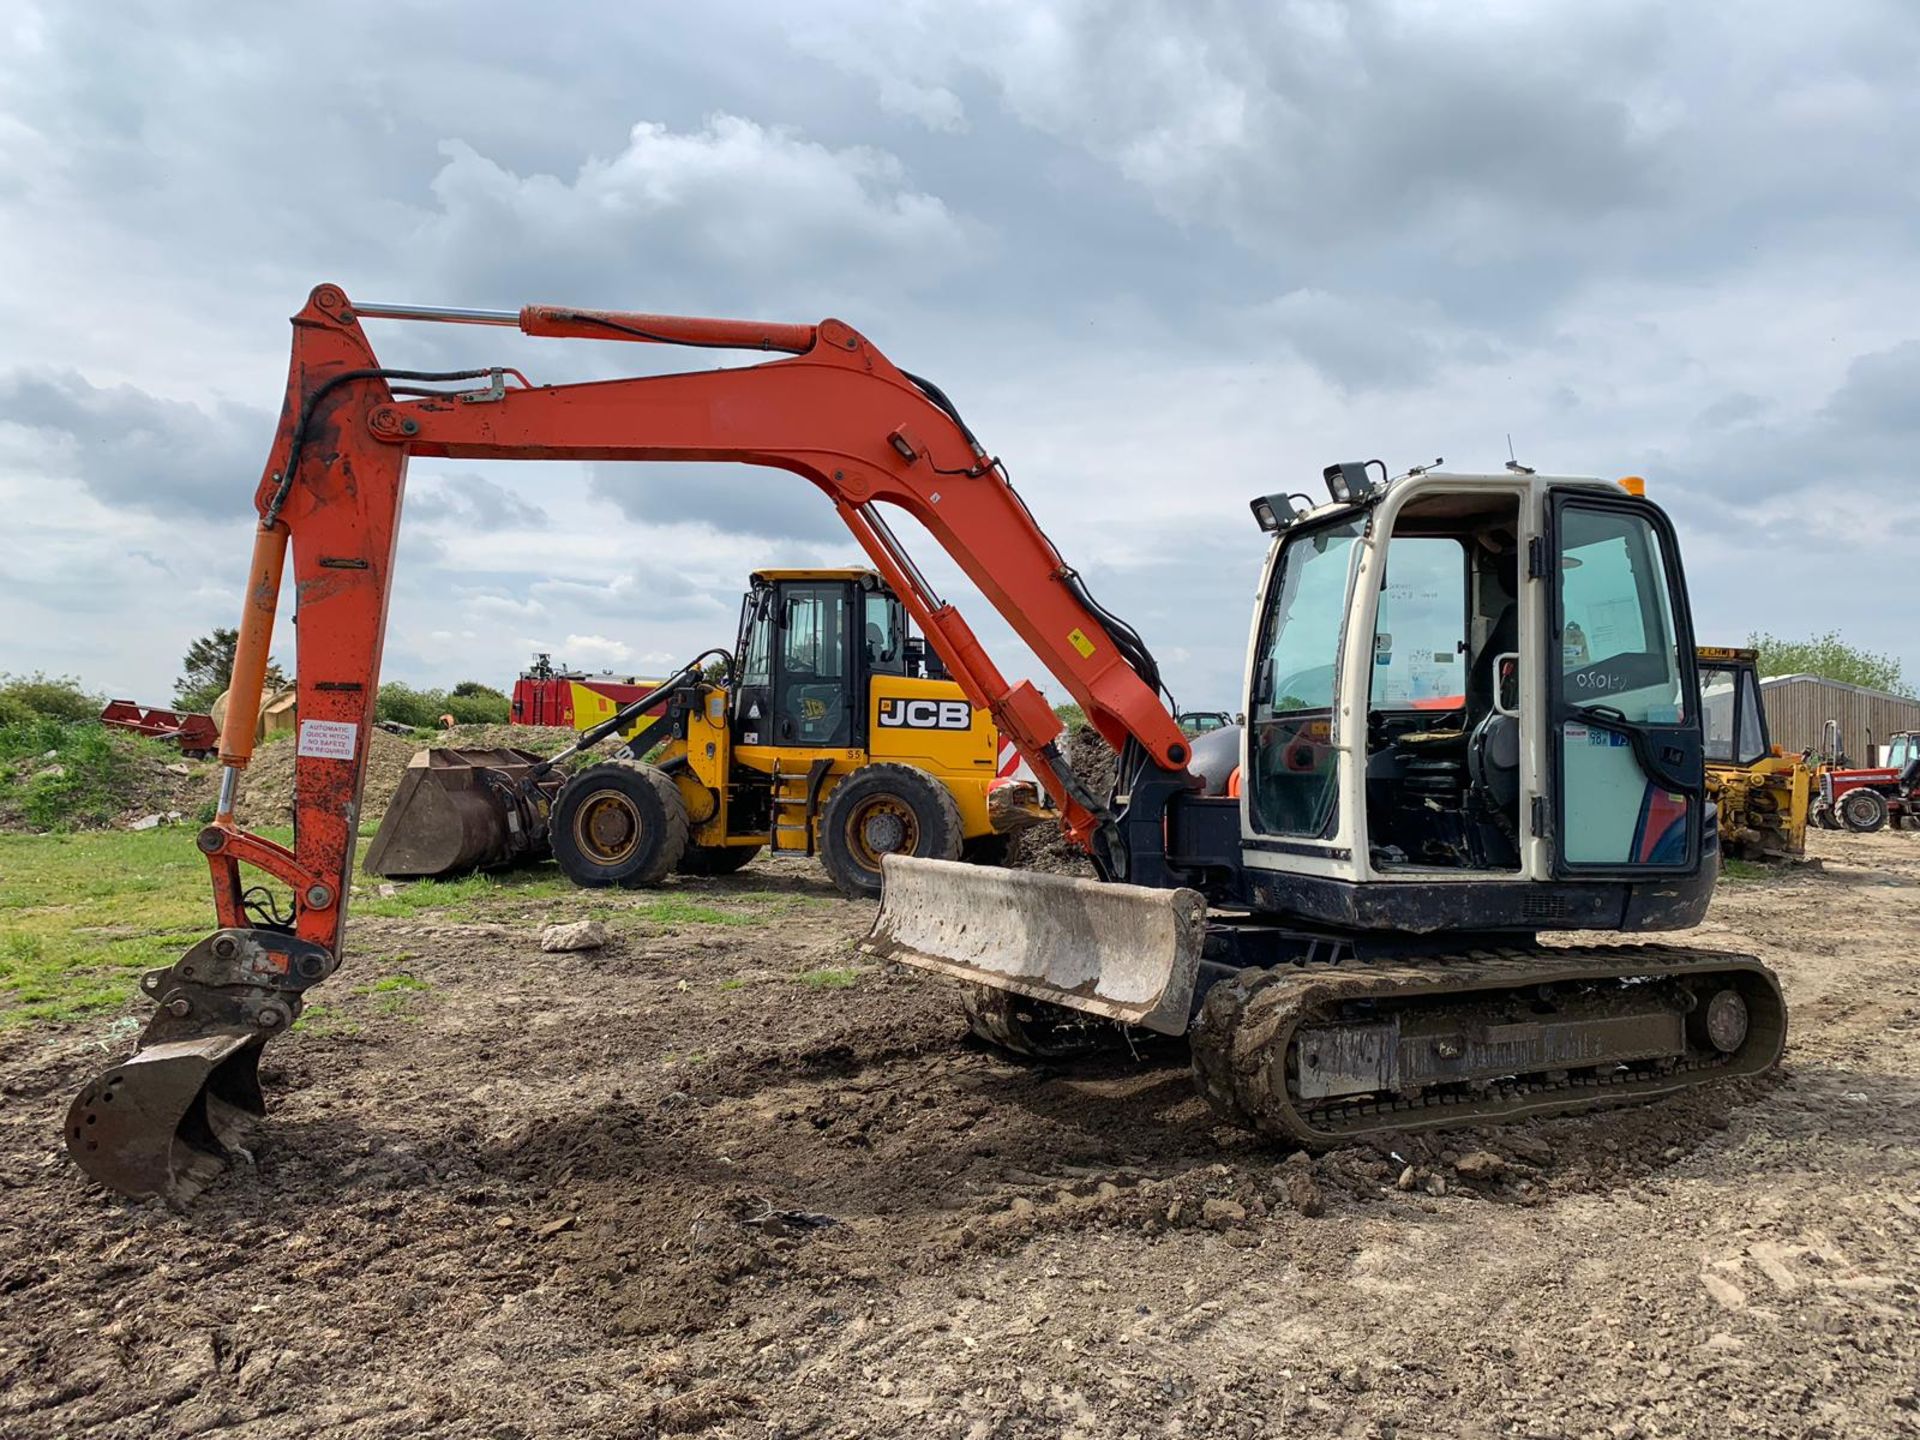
{"x":453,"y":813}
{"x":166,"y":1121}
{"x":1123,"y":952}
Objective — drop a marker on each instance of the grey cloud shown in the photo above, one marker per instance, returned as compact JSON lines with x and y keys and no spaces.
{"x":128,"y":447}
{"x":762,"y":206}
{"x":1880,"y":399}
{"x":1106,"y":226}
{"x":473,"y":502}
{"x":1370,"y":343}
{"x":733,"y":499}
{"x":1767,"y":480}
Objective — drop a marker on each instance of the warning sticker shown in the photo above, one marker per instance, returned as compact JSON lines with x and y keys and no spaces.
{"x":327,"y":739}
{"x":1078,"y":639}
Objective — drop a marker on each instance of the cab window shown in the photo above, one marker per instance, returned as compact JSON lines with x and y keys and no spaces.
{"x":1616,"y":636}
{"x":1294,"y":789}
{"x":1422,"y":628}
{"x":884,"y":635}
{"x":813,"y":641}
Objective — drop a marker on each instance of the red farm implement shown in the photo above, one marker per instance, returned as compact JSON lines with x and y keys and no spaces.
{"x":196,"y":734}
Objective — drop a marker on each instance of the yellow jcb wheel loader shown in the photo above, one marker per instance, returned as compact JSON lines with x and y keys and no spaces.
{"x":835,"y":733}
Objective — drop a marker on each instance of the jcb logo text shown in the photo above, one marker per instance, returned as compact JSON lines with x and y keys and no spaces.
{"x":926,"y":714}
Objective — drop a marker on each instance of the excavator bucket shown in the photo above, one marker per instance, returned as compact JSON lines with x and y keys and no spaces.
{"x":458,"y":811}
{"x":167,"y":1120}
{"x":1123,"y":952}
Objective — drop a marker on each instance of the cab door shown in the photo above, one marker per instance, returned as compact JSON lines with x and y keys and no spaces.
{"x":1624,"y":741}
{"x":814,"y":666}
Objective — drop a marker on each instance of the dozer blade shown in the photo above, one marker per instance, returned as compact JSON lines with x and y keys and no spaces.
{"x":457,"y":811}
{"x":167,"y":1121}
{"x":1123,"y":952}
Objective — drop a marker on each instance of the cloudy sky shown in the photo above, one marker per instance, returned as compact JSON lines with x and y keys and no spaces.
{"x":1165,"y":256}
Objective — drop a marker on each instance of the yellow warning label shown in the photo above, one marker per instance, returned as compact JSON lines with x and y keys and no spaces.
{"x":1078,"y":639}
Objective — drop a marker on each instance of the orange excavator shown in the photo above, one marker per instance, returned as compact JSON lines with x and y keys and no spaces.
{"x":1336,"y":903}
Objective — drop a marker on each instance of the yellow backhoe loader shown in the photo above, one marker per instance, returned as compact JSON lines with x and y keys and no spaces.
{"x":1763,"y":793}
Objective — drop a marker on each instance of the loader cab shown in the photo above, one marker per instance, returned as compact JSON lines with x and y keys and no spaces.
{"x":810,"y":643}
{"x":1467,"y":677}
{"x":1732,"y":716}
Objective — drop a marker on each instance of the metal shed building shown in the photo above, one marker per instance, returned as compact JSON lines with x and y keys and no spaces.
{"x":1799,"y":706}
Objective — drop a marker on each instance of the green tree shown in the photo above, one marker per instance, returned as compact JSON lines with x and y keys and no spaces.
{"x":45,"y":697}
{"x":1831,"y":658}
{"x":402,"y":703}
{"x":1071,"y":716}
{"x":472,"y":703}
{"x":207,"y":669}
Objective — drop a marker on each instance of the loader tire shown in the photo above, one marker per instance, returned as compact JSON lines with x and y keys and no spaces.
{"x":716,"y":859}
{"x":881,"y":810}
{"x":1862,"y":811}
{"x":621,"y":823}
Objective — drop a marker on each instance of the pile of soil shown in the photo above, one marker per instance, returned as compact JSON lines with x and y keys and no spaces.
{"x":266,"y":789}
{"x":1045,"y":847}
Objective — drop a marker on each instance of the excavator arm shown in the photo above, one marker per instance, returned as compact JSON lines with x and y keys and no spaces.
{"x":833,"y":410}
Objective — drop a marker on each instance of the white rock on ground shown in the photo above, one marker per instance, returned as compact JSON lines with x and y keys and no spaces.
{"x":576,"y":935}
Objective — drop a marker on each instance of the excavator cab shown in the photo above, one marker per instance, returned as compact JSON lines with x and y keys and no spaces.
{"x":1474,"y":685}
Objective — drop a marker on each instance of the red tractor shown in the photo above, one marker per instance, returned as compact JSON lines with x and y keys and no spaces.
{"x":1865,"y":800}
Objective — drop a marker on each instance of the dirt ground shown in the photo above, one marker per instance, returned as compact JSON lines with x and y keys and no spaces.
{"x":722,"y":1178}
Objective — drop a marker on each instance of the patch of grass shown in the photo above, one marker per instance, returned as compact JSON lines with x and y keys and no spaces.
{"x":678,"y":910}
{"x":83,"y":915}
{"x":737,"y":983}
{"x":467,"y":895}
{"x":781,"y":900}
{"x":1743,"y":870}
{"x":412,"y":897}
{"x":829,"y":978}
{"x":396,"y":982}
{"x":393,"y":995}
{"x":320,"y":1020}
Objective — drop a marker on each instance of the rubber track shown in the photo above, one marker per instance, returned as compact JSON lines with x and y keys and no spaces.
{"x":1243,"y":1037}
